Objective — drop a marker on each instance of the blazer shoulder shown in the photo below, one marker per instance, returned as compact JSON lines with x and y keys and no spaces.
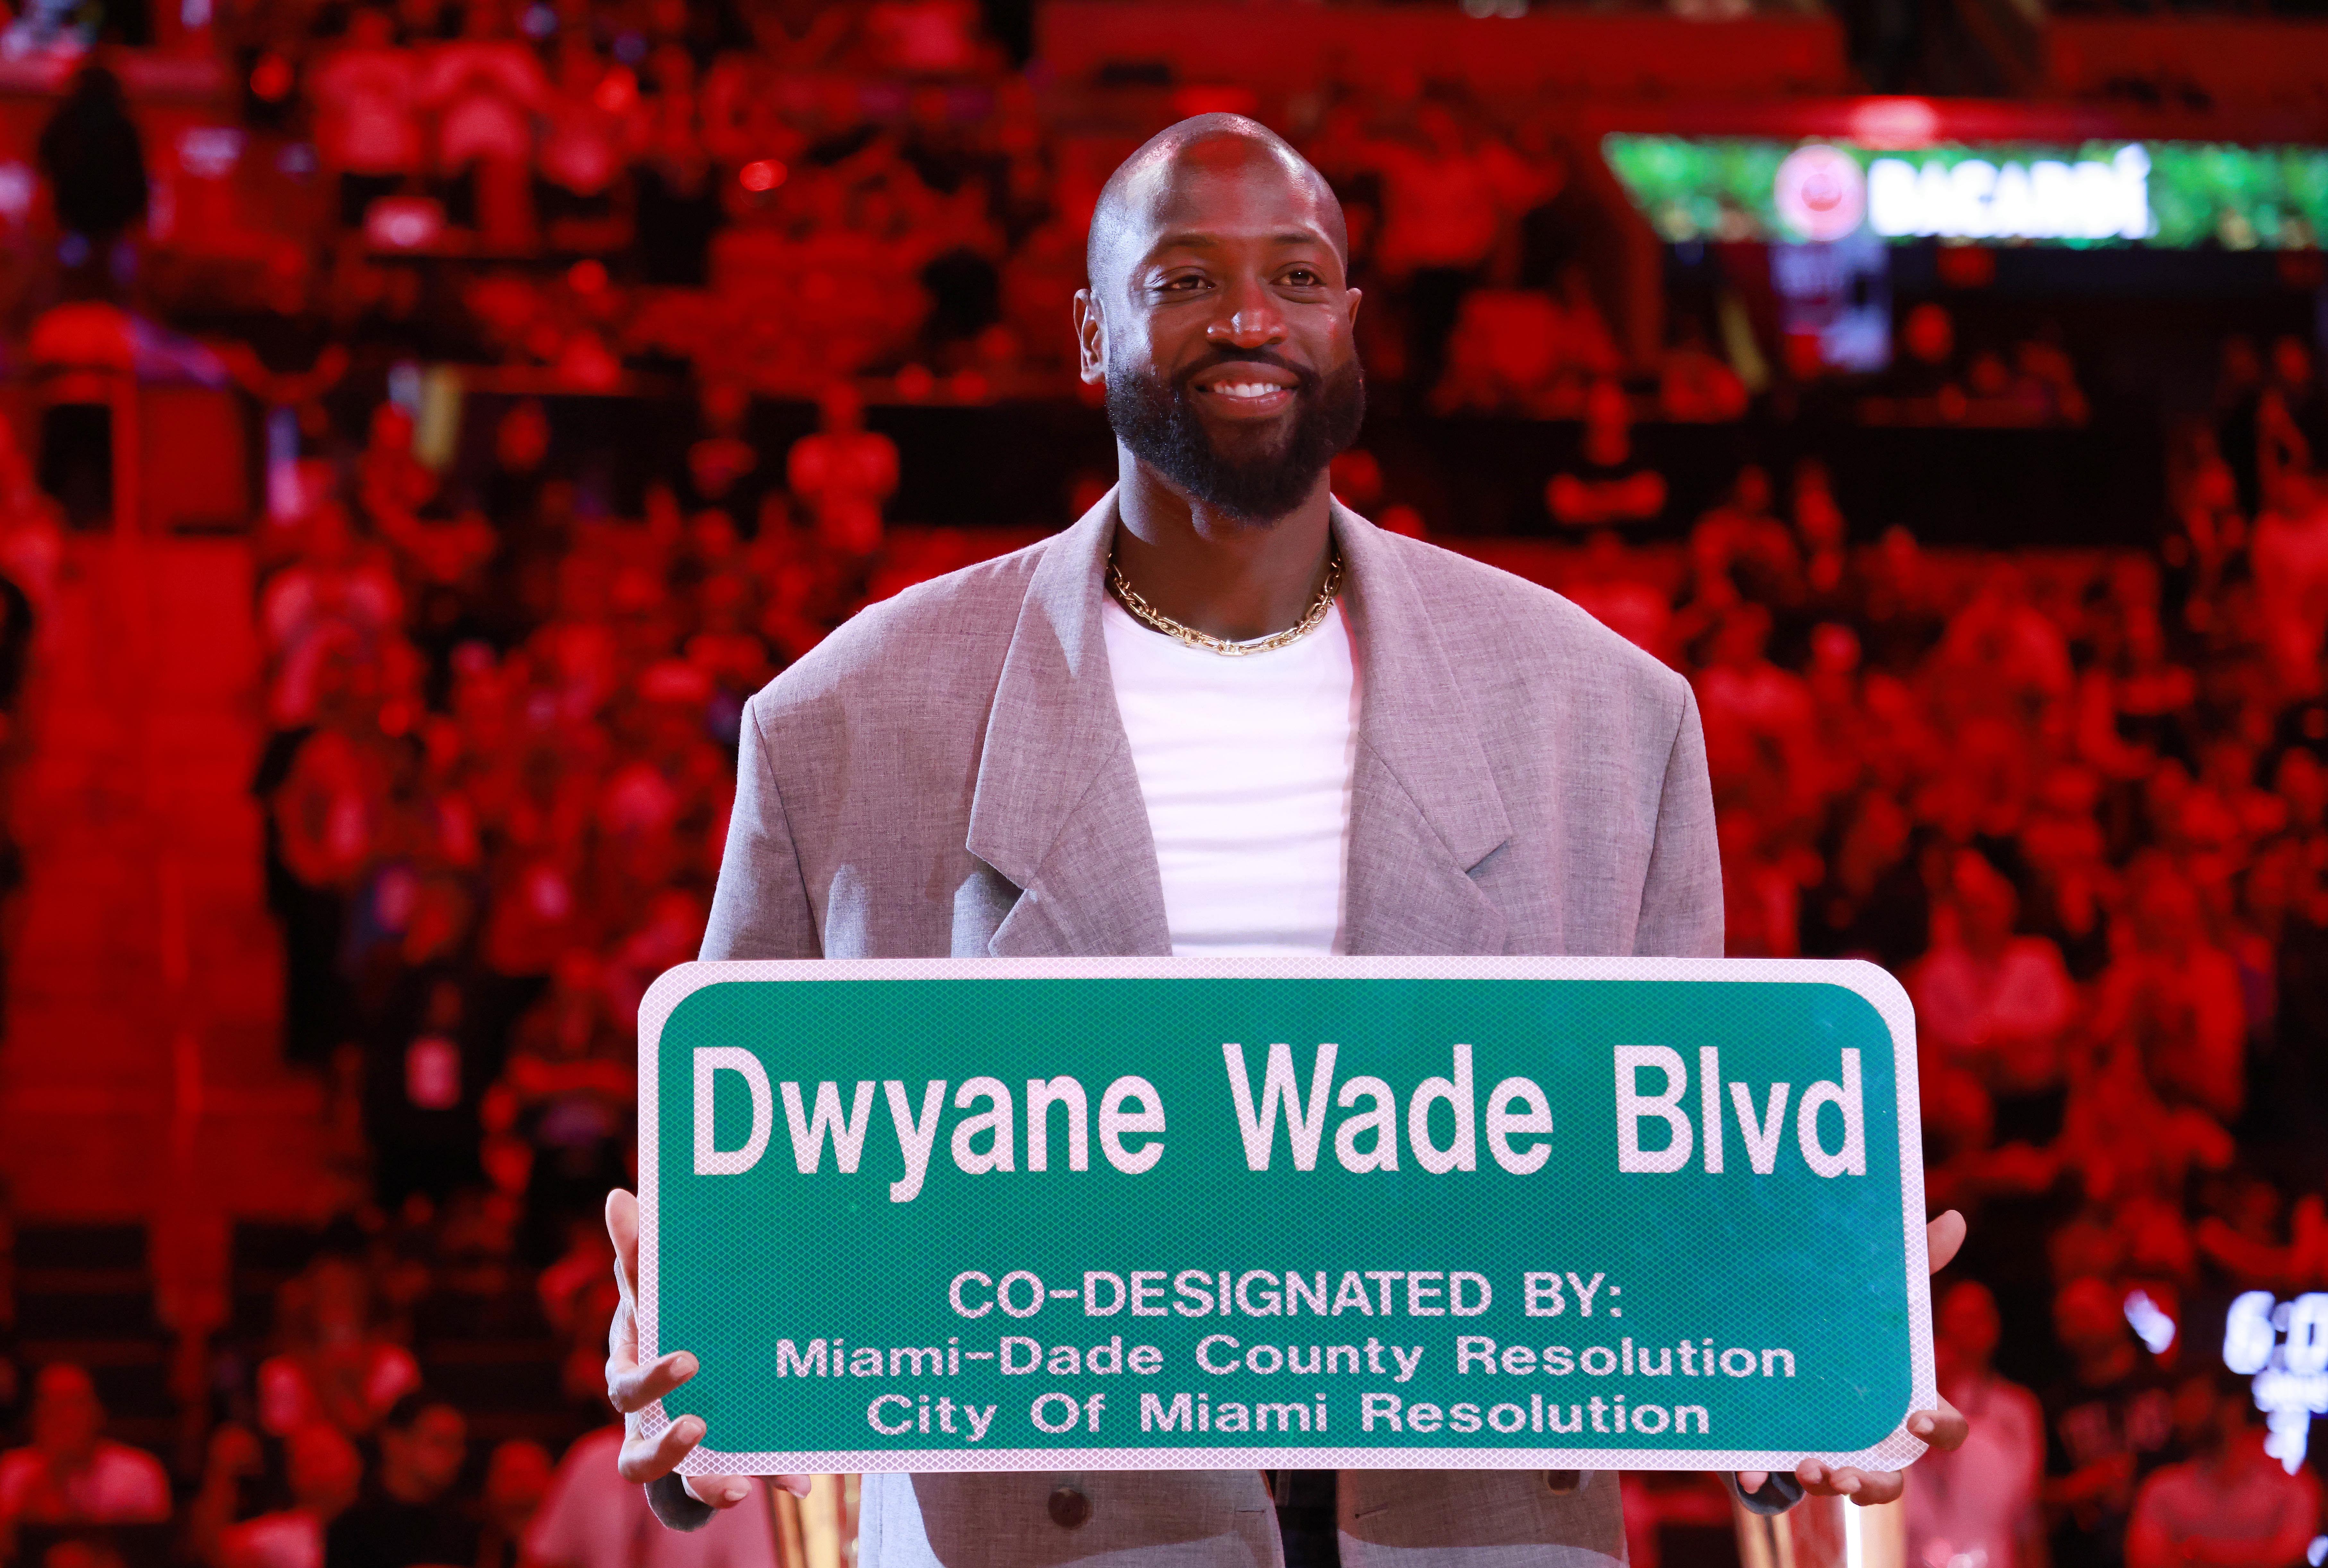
{"x":942,"y":630}
{"x":1539,"y":631}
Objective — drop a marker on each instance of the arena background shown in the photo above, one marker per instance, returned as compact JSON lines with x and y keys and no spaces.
{"x":425,"y":424}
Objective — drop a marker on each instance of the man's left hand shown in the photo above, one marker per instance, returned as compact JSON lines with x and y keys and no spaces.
{"x":1944,"y":1428}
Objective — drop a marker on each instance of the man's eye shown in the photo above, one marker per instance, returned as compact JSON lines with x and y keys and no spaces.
{"x":1302,"y":278}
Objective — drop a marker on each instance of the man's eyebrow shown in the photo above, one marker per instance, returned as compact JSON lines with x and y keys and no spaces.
{"x":1195,"y":239}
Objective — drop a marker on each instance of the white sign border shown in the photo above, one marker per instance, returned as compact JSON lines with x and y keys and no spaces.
{"x":1867,"y":981}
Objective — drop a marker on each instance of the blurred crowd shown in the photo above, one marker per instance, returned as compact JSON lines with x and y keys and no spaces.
{"x":2078,"y":804}
{"x":781,"y":196}
{"x":326,"y":1445}
{"x":2076,"y":800}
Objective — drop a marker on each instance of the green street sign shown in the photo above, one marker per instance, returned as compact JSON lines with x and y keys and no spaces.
{"x":1178,"y":1214}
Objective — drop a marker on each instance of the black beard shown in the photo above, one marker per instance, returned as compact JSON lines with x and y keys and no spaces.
{"x":1161,"y":426}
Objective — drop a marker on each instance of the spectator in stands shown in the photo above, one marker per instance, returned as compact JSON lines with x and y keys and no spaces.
{"x":1696,"y":385}
{"x":1451,"y":191}
{"x":742,"y":119}
{"x":485,"y":88}
{"x":95,"y":160}
{"x":1988,"y":1001}
{"x":2289,"y":553}
{"x":2173,"y":997}
{"x":368,"y":120}
{"x":71,"y":1473}
{"x":2107,"y":1424}
{"x":516,"y":1481}
{"x":722,"y":458}
{"x":322,"y":783}
{"x":922,"y":37}
{"x":2229,"y":1505}
{"x":2045,"y":379}
{"x":1822,"y":531}
{"x":1757,"y":718}
{"x":843,"y":473}
{"x":326,"y":1473}
{"x":285,"y":355}
{"x":1609,"y":487}
{"x":429,"y":1064}
{"x":593,"y":1518}
{"x":408,"y":1517}
{"x":1608,"y":586}
{"x":676,"y":198}
{"x":2291,"y":415}
{"x":587,"y":130}
{"x":1744,"y":541}
{"x":1927,"y":372}
{"x":337,"y":605}
{"x":569,"y":1087}
{"x":1521,"y":351}
{"x":1979,"y":1504}
{"x":335,"y":1368}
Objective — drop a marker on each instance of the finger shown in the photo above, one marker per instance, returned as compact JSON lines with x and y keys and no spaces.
{"x":622,"y":1337}
{"x":623,"y":1230}
{"x":1944,"y":1428}
{"x":1842,"y":1481}
{"x":796,"y":1485}
{"x":1752,"y":1482}
{"x":632,"y":1389}
{"x":1942,"y":1237}
{"x":646,"y":1459}
{"x":1824,"y":1481}
{"x":719,"y":1491}
{"x":1878,"y":1487}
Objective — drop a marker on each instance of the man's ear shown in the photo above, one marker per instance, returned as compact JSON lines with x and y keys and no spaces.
{"x":1091,"y":339}
{"x":1355,"y":297}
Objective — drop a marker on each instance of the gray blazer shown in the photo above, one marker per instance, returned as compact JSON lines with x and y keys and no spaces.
{"x":947,"y":775}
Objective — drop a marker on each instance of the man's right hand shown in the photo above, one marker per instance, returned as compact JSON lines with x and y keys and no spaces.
{"x":632,"y":1387}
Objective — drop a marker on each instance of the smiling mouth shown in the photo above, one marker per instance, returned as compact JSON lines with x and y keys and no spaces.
{"x":1247,"y":390}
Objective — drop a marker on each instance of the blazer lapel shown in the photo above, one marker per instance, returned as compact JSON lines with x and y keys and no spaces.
{"x":1424,"y":808}
{"x":1058,"y":808}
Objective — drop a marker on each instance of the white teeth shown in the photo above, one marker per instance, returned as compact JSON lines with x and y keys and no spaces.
{"x":1246,"y":388}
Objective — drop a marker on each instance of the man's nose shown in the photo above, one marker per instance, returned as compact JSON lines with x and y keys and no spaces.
{"x":1250,"y":319}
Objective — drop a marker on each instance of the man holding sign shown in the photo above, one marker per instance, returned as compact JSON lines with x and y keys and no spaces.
{"x":1222,"y":717}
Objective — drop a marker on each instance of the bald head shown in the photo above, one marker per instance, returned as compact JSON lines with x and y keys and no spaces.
{"x":1150,"y":191}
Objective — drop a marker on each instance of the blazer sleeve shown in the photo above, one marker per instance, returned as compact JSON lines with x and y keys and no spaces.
{"x":760,"y":908}
{"x":1681,"y":897}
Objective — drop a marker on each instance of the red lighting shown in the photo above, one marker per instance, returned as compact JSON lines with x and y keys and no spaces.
{"x":1895,"y":122}
{"x":403,"y":222}
{"x":617,"y":90}
{"x":765,"y":175}
{"x":270,"y":79}
{"x":587,"y":277}
{"x":1966,"y":266}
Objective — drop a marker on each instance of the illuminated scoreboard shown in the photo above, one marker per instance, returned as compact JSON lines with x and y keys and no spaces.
{"x":2284,"y":1345}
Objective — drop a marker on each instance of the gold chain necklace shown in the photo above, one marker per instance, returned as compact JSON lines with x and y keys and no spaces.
{"x":1156,"y":620}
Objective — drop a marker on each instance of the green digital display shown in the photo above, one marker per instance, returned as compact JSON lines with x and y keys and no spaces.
{"x":2174,"y":195}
